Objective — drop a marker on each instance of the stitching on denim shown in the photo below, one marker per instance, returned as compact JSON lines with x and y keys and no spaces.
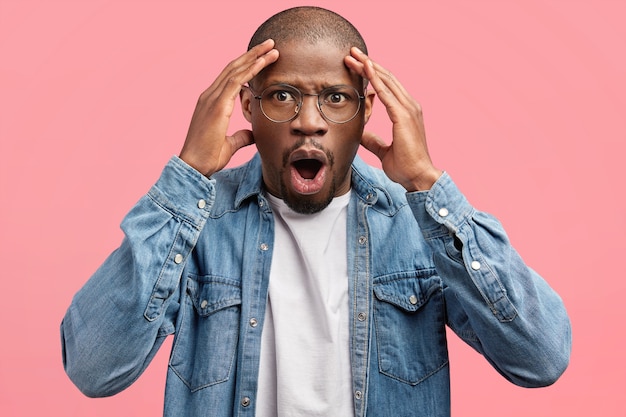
{"x":152,"y":310}
{"x":178,"y":343}
{"x":380,"y":367}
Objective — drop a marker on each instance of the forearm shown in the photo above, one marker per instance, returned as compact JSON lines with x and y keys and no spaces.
{"x":117,"y":321}
{"x":495,"y":302}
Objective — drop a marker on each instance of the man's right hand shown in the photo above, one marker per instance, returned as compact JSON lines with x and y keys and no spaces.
{"x":207,"y":147}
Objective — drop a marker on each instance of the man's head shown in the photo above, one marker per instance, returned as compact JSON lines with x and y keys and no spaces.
{"x":308,"y":25}
{"x":306,"y":160}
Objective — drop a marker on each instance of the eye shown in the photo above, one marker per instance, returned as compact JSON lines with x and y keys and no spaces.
{"x":337,"y":97}
{"x":281,"y":96}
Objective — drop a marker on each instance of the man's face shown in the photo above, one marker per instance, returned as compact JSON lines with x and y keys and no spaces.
{"x":306,"y":161}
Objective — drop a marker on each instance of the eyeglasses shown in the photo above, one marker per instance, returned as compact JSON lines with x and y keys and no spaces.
{"x":281,"y":103}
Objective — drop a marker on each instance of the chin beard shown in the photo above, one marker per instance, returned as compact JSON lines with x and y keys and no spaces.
{"x":302,"y":205}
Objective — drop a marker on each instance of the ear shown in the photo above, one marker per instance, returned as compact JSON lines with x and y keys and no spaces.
{"x":245,"y":95}
{"x":369,"y":103}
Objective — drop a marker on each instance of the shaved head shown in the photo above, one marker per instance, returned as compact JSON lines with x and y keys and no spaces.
{"x":308,"y":24}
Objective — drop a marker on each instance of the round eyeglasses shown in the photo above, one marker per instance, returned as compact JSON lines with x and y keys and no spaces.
{"x":281,"y":103}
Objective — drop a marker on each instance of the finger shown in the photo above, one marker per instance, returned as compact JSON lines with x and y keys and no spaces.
{"x":246,"y":60}
{"x":390,"y":91}
{"x":355,"y":66}
{"x":255,"y":61}
{"x":232,"y":85}
{"x":375,"y":144}
{"x":222,"y":94}
{"x":360,"y":62}
{"x":243,"y":69}
{"x":392,"y":82}
{"x":240,"y":139}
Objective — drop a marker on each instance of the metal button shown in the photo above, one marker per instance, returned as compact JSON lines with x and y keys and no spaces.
{"x":369,"y":196}
{"x":413,"y":299}
{"x":264,"y":246}
{"x":443,"y":212}
{"x":261,"y":203}
{"x":178,"y":258}
{"x":204,"y":303}
{"x":361,"y":316}
{"x":253,"y":322}
{"x":201,"y":204}
{"x":475,"y":265}
{"x":358,"y":395}
{"x":362,"y":240}
{"x":245,"y":401}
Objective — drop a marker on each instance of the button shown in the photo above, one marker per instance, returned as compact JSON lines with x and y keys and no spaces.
{"x":201,"y":204}
{"x":245,"y":401}
{"x":264,"y":246}
{"x":413,"y":299}
{"x":253,"y":322}
{"x":178,"y":258}
{"x":204,"y":303}
{"x":361,"y":316}
{"x":369,"y":197}
{"x":475,"y":265}
{"x":261,"y":203}
{"x":443,"y":212}
{"x":358,"y":395}
{"x":362,"y":240}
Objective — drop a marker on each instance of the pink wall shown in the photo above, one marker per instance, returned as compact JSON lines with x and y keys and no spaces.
{"x":524,"y":105}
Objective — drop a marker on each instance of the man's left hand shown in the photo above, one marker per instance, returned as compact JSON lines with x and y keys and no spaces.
{"x":405,"y":160}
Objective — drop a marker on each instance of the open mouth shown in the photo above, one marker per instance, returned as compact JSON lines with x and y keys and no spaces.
{"x":308,"y":171}
{"x":307,"y":168}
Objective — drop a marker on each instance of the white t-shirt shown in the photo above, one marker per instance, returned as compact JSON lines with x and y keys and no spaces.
{"x":305,"y":356}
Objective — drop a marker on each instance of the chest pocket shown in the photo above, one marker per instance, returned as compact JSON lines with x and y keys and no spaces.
{"x":206,"y":339}
{"x":409,"y":316}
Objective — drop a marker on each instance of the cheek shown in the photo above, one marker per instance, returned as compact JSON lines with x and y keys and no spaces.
{"x":267,"y":140}
{"x":349,"y":142}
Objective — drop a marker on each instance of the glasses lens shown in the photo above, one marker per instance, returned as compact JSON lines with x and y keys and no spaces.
{"x":340,"y":104}
{"x":280,"y":102}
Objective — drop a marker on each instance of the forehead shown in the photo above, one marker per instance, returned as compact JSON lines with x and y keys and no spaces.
{"x":309,"y":66}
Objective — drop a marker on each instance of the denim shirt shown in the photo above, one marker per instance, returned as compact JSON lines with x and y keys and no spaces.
{"x":195,"y":263}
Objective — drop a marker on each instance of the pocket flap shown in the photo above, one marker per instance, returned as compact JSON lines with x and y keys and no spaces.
{"x":407,"y":293}
{"x":210,"y":294}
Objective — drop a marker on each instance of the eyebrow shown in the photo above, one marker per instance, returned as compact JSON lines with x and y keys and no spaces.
{"x":270,"y":82}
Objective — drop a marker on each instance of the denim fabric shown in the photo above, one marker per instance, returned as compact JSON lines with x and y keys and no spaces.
{"x":195,"y":263}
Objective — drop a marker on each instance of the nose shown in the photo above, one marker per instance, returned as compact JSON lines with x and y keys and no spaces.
{"x":309,"y":120}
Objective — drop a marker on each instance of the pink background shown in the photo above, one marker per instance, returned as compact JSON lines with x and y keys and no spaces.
{"x":524,"y":105}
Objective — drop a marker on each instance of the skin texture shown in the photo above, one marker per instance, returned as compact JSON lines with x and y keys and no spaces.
{"x":310,"y":67}
{"x":309,"y":135}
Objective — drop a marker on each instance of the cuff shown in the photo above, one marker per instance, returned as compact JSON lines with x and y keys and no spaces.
{"x":443,"y":204}
{"x":184,"y":192}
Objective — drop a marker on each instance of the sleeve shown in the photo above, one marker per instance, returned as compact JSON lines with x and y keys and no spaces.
{"x":494,"y":302}
{"x":120,"y":317}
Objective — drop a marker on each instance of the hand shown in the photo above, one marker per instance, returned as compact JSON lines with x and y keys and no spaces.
{"x":406,"y":160}
{"x":207,"y":147}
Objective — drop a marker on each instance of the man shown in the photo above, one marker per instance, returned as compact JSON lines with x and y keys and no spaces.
{"x":306,"y":283}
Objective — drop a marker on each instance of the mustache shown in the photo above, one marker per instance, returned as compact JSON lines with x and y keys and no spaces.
{"x":300,"y":142}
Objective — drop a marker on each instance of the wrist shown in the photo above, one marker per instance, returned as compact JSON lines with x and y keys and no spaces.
{"x":199,"y":164}
{"x":424,"y":181}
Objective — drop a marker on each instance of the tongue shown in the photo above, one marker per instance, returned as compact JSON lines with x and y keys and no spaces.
{"x":308,"y":176}
{"x":307,"y":168}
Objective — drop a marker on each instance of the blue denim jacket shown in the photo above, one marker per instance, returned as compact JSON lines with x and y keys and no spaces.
{"x":195,"y":263}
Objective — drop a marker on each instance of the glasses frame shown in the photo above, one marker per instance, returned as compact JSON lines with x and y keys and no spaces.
{"x":301,"y":102}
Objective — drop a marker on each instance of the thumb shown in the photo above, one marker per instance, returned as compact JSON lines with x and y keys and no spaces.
{"x":375,"y":144}
{"x":240,"y":139}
